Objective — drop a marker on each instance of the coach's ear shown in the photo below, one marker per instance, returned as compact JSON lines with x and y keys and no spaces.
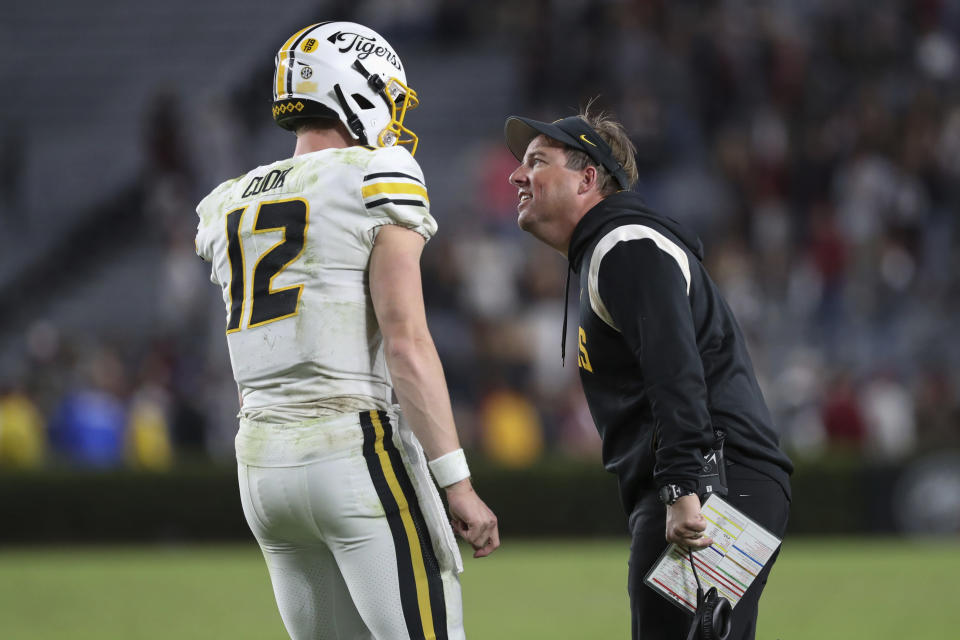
{"x":588,"y":179}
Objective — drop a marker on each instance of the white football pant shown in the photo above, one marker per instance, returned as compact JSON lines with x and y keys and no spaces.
{"x":352,"y":528}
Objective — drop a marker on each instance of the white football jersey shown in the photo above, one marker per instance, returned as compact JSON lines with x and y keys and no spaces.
{"x":289,"y":245}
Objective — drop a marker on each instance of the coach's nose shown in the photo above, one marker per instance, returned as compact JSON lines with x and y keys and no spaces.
{"x":519,"y":176}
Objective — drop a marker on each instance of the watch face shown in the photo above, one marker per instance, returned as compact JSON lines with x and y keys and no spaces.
{"x":669,"y":494}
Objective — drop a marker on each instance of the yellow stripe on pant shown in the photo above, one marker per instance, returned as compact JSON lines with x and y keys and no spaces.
{"x":419,"y":569}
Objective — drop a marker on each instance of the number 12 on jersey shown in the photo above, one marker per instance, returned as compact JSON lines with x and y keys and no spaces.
{"x":266,"y":303}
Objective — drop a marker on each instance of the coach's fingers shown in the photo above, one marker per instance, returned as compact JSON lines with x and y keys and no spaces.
{"x":685,"y":523}
{"x":688,"y":538}
{"x":697,"y":543}
{"x":694,"y":523}
{"x":690,"y":529}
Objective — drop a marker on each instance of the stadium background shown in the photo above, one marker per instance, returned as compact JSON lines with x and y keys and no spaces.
{"x":814,"y":146}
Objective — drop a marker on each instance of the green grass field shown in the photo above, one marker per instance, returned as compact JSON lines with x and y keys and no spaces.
{"x":528,"y":589}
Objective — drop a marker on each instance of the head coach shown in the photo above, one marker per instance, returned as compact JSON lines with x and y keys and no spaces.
{"x":663,"y":362}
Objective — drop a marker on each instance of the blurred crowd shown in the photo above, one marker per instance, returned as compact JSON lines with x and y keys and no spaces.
{"x":813,"y":146}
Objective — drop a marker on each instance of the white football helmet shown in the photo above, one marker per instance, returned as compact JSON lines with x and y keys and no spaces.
{"x":347,"y":71}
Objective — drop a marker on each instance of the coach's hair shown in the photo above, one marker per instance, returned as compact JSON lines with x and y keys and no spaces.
{"x":622,"y":147}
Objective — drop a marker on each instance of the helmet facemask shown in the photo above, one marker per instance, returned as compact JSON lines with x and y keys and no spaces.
{"x":399,"y":98}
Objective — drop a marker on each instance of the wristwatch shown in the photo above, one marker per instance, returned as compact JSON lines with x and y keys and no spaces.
{"x":670,"y":493}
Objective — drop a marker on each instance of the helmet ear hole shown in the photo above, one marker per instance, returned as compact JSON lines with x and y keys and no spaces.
{"x":362,"y":102}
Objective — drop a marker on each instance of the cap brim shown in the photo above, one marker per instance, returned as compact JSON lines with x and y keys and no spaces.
{"x":518,"y":133}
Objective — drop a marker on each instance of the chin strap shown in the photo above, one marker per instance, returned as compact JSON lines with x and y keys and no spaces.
{"x":353,"y":121}
{"x":376,"y":82}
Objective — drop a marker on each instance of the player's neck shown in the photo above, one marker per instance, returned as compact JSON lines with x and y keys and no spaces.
{"x":319,"y":139}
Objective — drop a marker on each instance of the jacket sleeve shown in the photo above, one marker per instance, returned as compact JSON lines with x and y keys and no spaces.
{"x":645,"y":293}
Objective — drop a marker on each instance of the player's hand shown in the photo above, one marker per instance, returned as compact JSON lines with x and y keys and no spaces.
{"x":472,"y":519}
{"x":685,"y":524}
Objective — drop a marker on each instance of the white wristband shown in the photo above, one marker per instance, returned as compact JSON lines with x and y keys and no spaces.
{"x":449,"y":468}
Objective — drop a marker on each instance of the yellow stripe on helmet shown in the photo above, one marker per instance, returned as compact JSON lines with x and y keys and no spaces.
{"x":283,"y":55}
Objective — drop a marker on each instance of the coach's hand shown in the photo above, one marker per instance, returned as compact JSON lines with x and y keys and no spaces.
{"x":685,"y":524}
{"x":472,"y":519}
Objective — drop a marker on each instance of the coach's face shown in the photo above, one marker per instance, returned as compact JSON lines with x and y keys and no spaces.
{"x":548,"y":193}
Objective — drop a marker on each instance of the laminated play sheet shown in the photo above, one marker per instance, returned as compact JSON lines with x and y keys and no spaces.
{"x":739,"y":551}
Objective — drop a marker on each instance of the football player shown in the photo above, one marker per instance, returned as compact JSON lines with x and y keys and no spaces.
{"x":317,"y":258}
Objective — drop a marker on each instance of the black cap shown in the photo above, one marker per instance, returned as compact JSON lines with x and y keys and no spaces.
{"x":573,"y":132}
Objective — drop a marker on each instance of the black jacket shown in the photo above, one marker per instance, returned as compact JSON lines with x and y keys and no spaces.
{"x":661,"y":357}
